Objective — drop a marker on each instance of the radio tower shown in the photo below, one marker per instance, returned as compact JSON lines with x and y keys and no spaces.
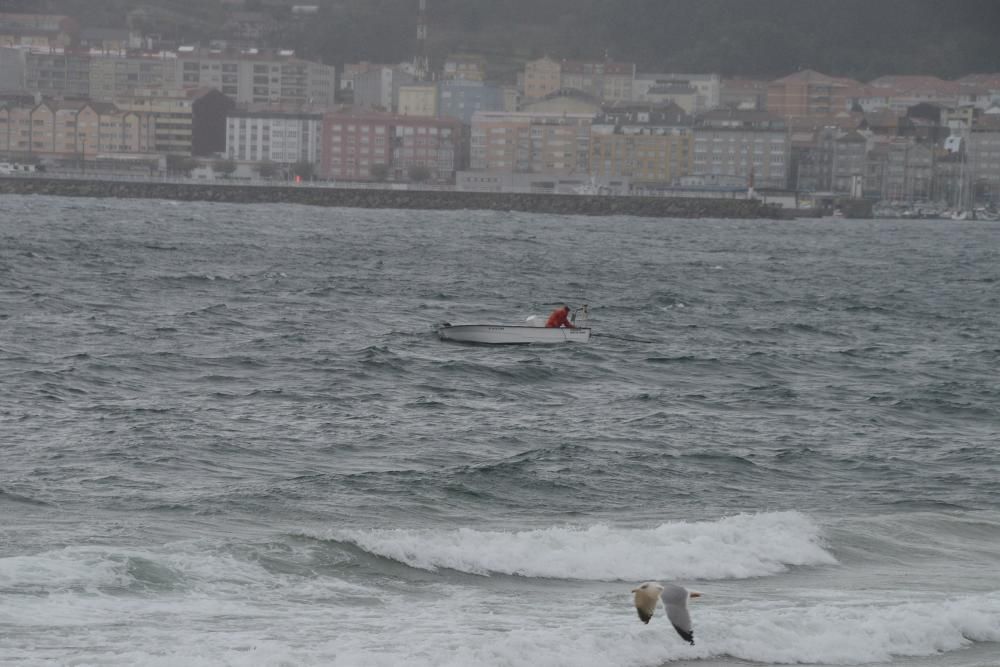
{"x":421,"y":63}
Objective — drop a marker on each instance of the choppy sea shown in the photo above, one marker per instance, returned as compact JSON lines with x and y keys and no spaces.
{"x":230,"y":436}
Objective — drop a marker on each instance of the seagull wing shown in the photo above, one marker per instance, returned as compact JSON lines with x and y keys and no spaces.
{"x":675,"y":600}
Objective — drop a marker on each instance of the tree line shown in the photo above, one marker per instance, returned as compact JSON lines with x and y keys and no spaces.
{"x":862,"y":39}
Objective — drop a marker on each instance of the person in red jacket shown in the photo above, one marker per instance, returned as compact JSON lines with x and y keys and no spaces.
{"x":559,"y":318}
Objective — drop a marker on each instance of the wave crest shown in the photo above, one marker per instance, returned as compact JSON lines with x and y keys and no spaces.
{"x":736,"y":547}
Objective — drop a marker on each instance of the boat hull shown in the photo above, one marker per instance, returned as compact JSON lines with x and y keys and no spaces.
{"x":504,"y":334}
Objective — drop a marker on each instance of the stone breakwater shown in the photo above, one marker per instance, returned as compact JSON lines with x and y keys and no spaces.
{"x":659,"y":207}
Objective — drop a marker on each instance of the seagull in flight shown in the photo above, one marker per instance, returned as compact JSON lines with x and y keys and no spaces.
{"x":674,"y":601}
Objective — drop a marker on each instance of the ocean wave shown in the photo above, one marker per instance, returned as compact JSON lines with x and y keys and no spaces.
{"x":844,"y":632}
{"x":102,"y":569}
{"x":571,"y":628}
{"x":852,"y":632}
{"x":736,"y":547}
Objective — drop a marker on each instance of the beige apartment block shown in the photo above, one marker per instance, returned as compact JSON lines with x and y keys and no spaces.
{"x":15,"y":129}
{"x":541,"y":77}
{"x":81,"y":130}
{"x":523,"y":142}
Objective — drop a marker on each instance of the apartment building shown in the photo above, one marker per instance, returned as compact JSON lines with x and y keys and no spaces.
{"x":542,"y":77}
{"x":550,"y":143}
{"x":743,"y":94}
{"x":983,"y":85}
{"x":12,"y":69}
{"x":253,"y":76}
{"x":377,"y":88}
{"x":193,"y":123}
{"x":58,"y":73}
{"x":695,"y":93}
{"x":42,"y":31}
{"x":812,"y":149}
{"x":114,"y":76}
{"x":78,"y":130}
{"x":434,"y":144}
{"x":274,"y":135}
{"x":462,"y":99}
{"x":357,"y":146}
{"x":608,"y":81}
{"x":899,"y":93}
{"x":109,"y":40}
{"x":849,"y":153}
{"x":743,"y":145}
{"x":909,"y":171}
{"x":644,"y":153}
{"x":418,"y":99}
{"x":983,"y":162}
{"x":809,"y":94}
{"x":469,"y":67}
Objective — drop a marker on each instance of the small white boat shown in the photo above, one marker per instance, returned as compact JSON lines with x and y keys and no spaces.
{"x":533,"y":331}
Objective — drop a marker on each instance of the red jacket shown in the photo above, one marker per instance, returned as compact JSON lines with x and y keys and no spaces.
{"x":559,"y":318}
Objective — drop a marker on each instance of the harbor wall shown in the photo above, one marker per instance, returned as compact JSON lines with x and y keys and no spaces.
{"x":661,"y":207}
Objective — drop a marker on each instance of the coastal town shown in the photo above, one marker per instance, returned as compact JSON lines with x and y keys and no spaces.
{"x":120,"y":103}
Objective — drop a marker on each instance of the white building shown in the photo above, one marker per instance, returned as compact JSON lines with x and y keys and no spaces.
{"x":281,"y":137}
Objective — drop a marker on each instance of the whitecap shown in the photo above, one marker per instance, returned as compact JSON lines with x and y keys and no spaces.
{"x":736,"y":547}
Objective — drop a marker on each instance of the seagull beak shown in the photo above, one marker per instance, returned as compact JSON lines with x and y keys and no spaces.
{"x":694,"y":594}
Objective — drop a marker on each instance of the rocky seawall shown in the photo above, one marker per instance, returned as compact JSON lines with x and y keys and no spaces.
{"x":659,"y":207}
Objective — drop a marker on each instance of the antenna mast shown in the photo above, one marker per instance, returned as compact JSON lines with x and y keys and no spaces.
{"x":421,"y":63}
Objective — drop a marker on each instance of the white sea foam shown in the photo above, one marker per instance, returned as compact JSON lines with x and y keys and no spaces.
{"x":461,"y":626}
{"x":219,"y":609}
{"x":854,"y":631}
{"x":746,"y":545}
{"x":74,"y":585}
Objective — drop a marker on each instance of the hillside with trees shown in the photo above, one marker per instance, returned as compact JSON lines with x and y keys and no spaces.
{"x":757,"y":38}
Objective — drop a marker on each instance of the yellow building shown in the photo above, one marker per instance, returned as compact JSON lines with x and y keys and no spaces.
{"x":643,"y":158}
{"x":418,"y":99}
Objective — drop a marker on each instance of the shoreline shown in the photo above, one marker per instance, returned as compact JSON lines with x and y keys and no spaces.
{"x":594,"y":205}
